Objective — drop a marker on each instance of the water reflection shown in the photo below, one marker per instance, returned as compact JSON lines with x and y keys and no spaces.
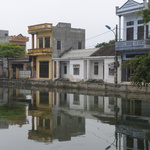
{"x":61,"y":116}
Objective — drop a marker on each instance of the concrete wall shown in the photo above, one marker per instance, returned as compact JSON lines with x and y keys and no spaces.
{"x":78,"y":86}
{"x":68,"y":36}
{"x":4,"y":36}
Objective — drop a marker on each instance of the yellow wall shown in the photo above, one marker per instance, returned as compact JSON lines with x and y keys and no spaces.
{"x":42,"y":35}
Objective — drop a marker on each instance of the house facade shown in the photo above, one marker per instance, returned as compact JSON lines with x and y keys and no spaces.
{"x":65,"y":37}
{"x":19,"y":40}
{"x":133,"y":37}
{"x":87,"y":64}
{"x":51,"y":41}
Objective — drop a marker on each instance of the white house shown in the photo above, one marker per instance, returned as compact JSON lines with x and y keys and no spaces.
{"x":133,"y":33}
{"x":87,"y":64}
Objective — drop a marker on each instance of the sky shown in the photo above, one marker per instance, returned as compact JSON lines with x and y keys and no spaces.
{"x":91,"y":15}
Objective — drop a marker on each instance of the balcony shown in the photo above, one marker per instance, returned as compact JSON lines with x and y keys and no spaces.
{"x":132,"y":45}
{"x":39,"y":51}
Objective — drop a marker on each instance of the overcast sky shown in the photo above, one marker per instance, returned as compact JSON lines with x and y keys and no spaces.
{"x":91,"y":15}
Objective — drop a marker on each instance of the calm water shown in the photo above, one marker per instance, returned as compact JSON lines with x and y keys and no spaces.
{"x":37,"y":120}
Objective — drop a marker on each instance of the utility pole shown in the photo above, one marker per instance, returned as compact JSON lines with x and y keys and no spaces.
{"x":116,"y":64}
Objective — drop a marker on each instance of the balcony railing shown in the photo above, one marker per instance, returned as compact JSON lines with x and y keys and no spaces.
{"x":132,"y":45}
{"x":39,"y":51}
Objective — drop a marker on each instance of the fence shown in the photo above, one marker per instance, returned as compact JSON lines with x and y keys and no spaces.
{"x":24,"y":74}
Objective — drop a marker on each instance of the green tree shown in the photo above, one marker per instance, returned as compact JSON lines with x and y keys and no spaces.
{"x":10,"y":50}
{"x":145,"y":15}
{"x":141,"y":70}
{"x":111,"y":42}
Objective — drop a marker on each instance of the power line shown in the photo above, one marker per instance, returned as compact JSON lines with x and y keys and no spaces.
{"x":97,"y":35}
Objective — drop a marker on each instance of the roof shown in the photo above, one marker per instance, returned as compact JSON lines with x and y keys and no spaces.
{"x":105,"y":51}
{"x":130,"y":6}
{"x":79,"y":53}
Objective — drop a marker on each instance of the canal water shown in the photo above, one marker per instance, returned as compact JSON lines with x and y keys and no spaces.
{"x":48,"y":120}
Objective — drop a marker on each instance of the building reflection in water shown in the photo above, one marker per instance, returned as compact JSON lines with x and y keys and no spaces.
{"x":134,"y":129}
{"x":49,"y":124}
{"x":60,"y":116}
{"x":66,"y":113}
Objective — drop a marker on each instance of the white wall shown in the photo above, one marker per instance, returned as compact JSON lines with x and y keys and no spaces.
{"x":135,"y":18}
{"x":76,"y":78}
{"x":100,"y":71}
{"x":81,"y":103}
{"x":62,"y":69}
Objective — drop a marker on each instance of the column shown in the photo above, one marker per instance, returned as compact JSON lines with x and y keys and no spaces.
{"x":88,"y":69}
{"x":32,"y":41}
{"x":32,"y":67}
{"x":119,"y":28}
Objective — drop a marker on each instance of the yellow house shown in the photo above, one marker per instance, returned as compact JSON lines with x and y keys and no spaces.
{"x":41,"y":52}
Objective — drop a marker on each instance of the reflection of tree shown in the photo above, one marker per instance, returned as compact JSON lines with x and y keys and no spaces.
{"x":11,"y":111}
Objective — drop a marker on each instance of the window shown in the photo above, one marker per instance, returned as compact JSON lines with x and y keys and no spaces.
{"x":95,"y":101}
{"x":76,"y":69}
{"x":40,"y":42}
{"x":76,"y":99}
{"x":79,"y":45}
{"x":58,"y":45}
{"x":47,"y":42}
{"x":44,"y":98}
{"x":58,"y":120}
{"x":65,"y":68}
{"x":111,"y":69}
{"x":96,"y":68}
{"x":111,"y":72}
{"x":47,"y":123}
{"x":130,"y":23}
{"x":140,"y":33}
{"x":130,"y":33}
{"x":140,"y":21}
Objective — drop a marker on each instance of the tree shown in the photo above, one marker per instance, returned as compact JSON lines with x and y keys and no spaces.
{"x":145,"y":15}
{"x":111,"y":42}
{"x":141,"y":70}
{"x":9,"y":50}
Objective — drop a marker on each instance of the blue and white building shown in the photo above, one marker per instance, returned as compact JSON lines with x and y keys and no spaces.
{"x":133,"y":33}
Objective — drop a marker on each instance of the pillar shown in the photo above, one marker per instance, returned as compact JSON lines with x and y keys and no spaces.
{"x":32,"y":67}
{"x":88,"y":69}
{"x":119,"y":28}
{"x":32,"y":41}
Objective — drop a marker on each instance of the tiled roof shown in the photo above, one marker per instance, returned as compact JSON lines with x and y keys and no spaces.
{"x":105,"y":51}
{"x":79,"y":53}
